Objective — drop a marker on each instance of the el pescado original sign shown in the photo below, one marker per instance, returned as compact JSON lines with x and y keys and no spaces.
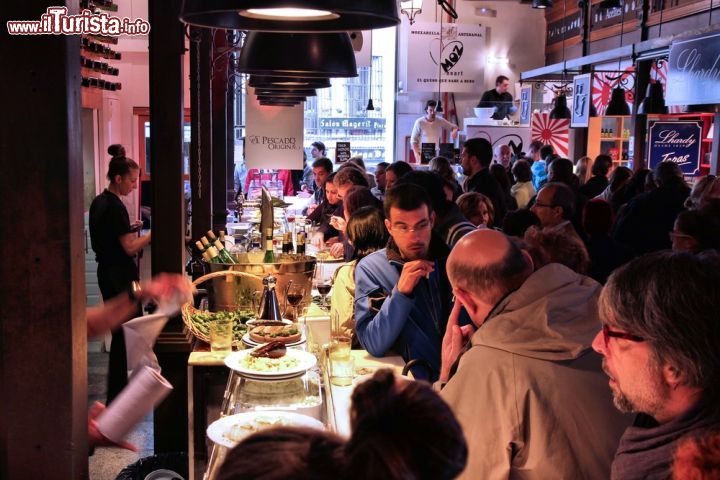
{"x":677,"y":142}
{"x":455,"y":54}
{"x":274,"y":135}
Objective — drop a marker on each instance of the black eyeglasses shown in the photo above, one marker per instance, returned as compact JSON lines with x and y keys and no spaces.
{"x":607,"y":333}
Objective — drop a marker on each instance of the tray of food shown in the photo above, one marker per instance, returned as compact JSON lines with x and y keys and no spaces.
{"x":198,"y":322}
{"x":272,"y":361}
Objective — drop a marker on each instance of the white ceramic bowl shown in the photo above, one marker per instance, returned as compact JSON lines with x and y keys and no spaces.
{"x":484,"y":112}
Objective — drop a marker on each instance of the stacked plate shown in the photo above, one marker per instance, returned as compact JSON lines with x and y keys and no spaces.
{"x":252,"y":343}
{"x":301,"y":362}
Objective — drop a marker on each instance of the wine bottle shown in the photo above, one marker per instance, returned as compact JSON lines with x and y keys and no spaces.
{"x":269,"y":250}
{"x":287,"y":246}
{"x":205,"y":243}
{"x":300,"y":250}
{"x":222,"y":237}
{"x":214,"y":256}
{"x":200,"y":247}
{"x":222,"y":253}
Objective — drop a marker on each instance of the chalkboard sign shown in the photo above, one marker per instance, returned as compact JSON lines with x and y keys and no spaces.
{"x":677,"y":142}
{"x":447,"y":150}
{"x":342,"y":152}
{"x":427,"y":152}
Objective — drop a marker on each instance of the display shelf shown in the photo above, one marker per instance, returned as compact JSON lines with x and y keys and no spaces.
{"x":619,"y":148}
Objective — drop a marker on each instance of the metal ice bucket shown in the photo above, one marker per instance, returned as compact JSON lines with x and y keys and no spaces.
{"x":232,"y":292}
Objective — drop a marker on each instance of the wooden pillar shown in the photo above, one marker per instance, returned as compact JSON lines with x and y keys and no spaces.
{"x":715,"y":154}
{"x":219,"y":88}
{"x":166,"y":132}
{"x":43,"y":333}
{"x":201,"y":139}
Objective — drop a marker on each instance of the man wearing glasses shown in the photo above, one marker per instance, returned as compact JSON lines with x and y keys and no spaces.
{"x":555,"y":206}
{"x":526,"y":387}
{"x":660,"y":343}
{"x":402,"y":294}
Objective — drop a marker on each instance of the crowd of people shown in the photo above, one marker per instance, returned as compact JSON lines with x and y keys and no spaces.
{"x":521,"y":294}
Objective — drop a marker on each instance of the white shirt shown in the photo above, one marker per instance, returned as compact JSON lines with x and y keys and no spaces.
{"x":425,"y":131}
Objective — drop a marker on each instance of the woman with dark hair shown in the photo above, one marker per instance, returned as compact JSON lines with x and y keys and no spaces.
{"x":442,"y":167}
{"x":356,"y":197}
{"x":402,"y":431}
{"x":523,"y":189}
{"x":366,"y":233}
{"x":477,"y":208}
{"x":331,"y":205}
{"x":116,"y":244}
{"x":394,"y":171}
{"x":695,"y":231}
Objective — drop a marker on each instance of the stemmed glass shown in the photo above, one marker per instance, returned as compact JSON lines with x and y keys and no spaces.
{"x":323,"y":283}
{"x":295,"y":296}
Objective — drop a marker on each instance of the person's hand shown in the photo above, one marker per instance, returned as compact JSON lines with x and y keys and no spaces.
{"x":167,"y":286}
{"x":311,"y":208}
{"x":411,"y":274}
{"x":338,"y":223}
{"x":97,"y":439}
{"x":453,"y":342}
{"x":332,"y":241}
{"x":337,"y":250}
{"x":454,"y":133}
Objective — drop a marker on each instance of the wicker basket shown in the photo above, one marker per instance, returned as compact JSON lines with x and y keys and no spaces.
{"x":188,"y":310}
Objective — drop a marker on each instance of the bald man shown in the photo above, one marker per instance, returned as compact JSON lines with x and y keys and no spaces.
{"x":527,"y":387}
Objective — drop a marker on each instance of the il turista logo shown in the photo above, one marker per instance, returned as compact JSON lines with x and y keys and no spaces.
{"x":274,"y":143}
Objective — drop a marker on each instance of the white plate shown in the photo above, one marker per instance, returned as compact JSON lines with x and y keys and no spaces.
{"x":305,"y":360}
{"x":219,"y":430}
{"x":252,"y":343}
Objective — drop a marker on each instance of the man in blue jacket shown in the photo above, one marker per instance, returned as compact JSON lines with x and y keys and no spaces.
{"x":402,"y":295}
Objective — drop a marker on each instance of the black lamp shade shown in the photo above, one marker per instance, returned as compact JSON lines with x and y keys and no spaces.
{"x":307,"y":92}
{"x":607,"y":4}
{"x":306,"y":55}
{"x":654,"y":102}
{"x":370,"y":105}
{"x":277,"y":103}
{"x":260,"y":81}
{"x":307,"y":15}
{"x":561,"y":109}
{"x":282,"y":98}
{"x":542,"y":4}
{"x":617,"y":106}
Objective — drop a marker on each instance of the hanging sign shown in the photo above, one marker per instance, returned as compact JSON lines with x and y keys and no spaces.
{"x":525,"y":104}
{"x":581,"y":100}
{"x":553,"y":132}
{"x":677,"y":142}
{"x":342,"y":152}
{"x":694,"y":71}
{"x":456,"y":57}
{"x":274,"y":135}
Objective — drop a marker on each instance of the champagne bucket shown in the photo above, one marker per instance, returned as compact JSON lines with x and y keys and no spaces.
{"x":233,"y":292}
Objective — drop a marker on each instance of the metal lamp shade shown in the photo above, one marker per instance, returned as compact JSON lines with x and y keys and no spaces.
{"x":306,"y":55}
{"x":278,"y":103}
{"x":260,"y":81}
{"x":291,"y":15}
{"x":654,"y":102}
{"x":617,"y":106}
{"x":282,"y":98}
{"x":306,"y":92}
{"x":542,"y":4}
{"x":561,"y":109}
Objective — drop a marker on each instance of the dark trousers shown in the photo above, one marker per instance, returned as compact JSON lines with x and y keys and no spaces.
{"x":115,"y":280}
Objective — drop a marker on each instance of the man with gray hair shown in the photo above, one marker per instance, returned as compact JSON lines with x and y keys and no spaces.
{"x":527,"y":387}
{"x":660,"y":340}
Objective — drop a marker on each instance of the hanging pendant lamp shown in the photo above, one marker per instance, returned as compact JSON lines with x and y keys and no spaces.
{"x":370,"y":105}
{"x":278,"y":103}
{"x":561,"y":109}
{"x":305,"y":92}
{"x":654,"y":102}
{"x":291,"y":15}
{"x":617,"y":106}
{"x":307,"y":55}
{"x":542,"y":4}
{"x":260,"y":81}
{"x":282,"y":98}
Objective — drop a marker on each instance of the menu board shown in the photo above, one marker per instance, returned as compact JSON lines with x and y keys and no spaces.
{"x":342,"y":152}
{"x":447,"y":150}
{"x":427,"y":152}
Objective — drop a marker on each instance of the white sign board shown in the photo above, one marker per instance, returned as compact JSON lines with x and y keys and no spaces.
{"x":274,"y":135}
{"x":457,"y":57}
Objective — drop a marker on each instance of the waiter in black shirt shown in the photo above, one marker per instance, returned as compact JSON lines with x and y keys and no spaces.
{"x":500,"y":98}
{"x":116,"y":244}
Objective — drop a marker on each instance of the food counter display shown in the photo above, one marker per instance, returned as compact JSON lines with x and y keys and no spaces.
{"x":498,"y":134}
{"x":227,"y":404}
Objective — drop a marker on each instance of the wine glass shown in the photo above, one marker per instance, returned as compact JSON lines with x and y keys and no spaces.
{"x":295,"y":296}
{"x":323,"y":285}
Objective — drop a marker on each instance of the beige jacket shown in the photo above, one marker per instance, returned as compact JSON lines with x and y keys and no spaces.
{"x":530,"y":393}
{"x":342,"y":300}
